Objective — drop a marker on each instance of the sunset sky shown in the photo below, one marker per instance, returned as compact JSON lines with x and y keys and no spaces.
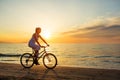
{"x":71,"y":21}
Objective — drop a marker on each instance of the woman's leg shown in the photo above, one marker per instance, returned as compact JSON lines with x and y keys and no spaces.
{"x":36,"y":53}
{"x":37,"y":48}
{"x":36,"y":56}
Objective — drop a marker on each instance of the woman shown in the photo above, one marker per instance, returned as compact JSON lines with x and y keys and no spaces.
{"x":34,"y":44}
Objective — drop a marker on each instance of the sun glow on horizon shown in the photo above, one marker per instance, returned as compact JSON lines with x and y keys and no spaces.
{"x":75,"y":21}
{"x":46,"y":35}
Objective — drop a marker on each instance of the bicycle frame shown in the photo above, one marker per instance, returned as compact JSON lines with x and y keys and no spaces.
{"x":40,"y":54}
{"x":49,"y":60}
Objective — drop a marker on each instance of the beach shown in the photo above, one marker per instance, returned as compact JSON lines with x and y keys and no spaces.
{"x":9,"y":71}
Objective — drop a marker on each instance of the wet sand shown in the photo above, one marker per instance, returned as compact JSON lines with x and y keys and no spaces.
{"x":17,"y":72}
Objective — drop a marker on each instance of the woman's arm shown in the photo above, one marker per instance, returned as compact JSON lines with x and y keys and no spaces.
{"x":43,"y":40}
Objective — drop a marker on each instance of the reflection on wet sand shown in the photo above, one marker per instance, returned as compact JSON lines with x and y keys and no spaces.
{"x":43,"y":75}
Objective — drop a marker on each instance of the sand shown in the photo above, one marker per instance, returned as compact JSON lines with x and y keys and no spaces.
{"x":17,"y":72}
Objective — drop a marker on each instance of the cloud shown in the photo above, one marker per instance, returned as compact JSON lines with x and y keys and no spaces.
{"x":102,"y":32}
{"x":105,"y":28}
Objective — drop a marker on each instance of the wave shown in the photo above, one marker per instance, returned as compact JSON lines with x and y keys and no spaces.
{"x":103,"y":56}
{"x":8,"y":60}
{"x":107,"y":57}
{"x":85,"y":56}
{"x":109,"y":61}
{"x":10,"y":55}
{"x":117,"y":57}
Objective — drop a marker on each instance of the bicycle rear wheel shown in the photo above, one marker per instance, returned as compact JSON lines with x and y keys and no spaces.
{"x":27,"y":60}
{"x":49,"y":61}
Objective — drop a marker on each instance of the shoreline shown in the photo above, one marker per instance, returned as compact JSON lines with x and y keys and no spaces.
{"x":10,"y":71}
{"x":71,"y":66}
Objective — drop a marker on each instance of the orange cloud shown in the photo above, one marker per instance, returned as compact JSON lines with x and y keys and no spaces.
{"x":100,"y":30}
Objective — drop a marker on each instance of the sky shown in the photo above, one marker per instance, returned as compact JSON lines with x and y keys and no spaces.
{"x":65,"y":21}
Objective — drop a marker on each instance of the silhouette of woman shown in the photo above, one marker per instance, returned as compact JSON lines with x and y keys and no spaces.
{"x":35,"y":45}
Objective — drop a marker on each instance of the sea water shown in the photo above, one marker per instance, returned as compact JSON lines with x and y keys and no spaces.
{"x":105,"y":56}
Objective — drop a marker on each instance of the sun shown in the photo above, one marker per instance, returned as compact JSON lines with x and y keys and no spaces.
{"x":46,"y":35}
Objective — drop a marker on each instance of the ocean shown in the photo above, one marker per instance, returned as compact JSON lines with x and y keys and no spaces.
{"x":103,"y":56}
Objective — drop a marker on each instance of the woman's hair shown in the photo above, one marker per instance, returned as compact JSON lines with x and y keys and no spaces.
{"x":38,"y":28}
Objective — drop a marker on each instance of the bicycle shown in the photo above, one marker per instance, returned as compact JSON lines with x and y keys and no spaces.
{"x":49,"y":59}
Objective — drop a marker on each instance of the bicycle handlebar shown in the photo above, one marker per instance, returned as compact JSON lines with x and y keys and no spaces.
{"x":44,"y":46}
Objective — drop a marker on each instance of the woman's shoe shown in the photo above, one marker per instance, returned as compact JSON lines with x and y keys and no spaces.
{"x":36,"y":62}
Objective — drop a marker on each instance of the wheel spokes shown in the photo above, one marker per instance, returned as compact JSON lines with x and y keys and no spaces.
{"x":50,"y":61}
{"x":27,"y":60}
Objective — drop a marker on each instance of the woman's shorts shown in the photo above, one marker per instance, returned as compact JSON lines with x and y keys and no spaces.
{"x":34,"y":46}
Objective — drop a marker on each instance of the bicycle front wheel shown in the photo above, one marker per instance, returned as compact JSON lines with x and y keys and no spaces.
{"x":50,"y":61}
{"x":27,"y":60}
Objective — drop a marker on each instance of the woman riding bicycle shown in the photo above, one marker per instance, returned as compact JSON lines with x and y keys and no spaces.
{"x":35,"y":45}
